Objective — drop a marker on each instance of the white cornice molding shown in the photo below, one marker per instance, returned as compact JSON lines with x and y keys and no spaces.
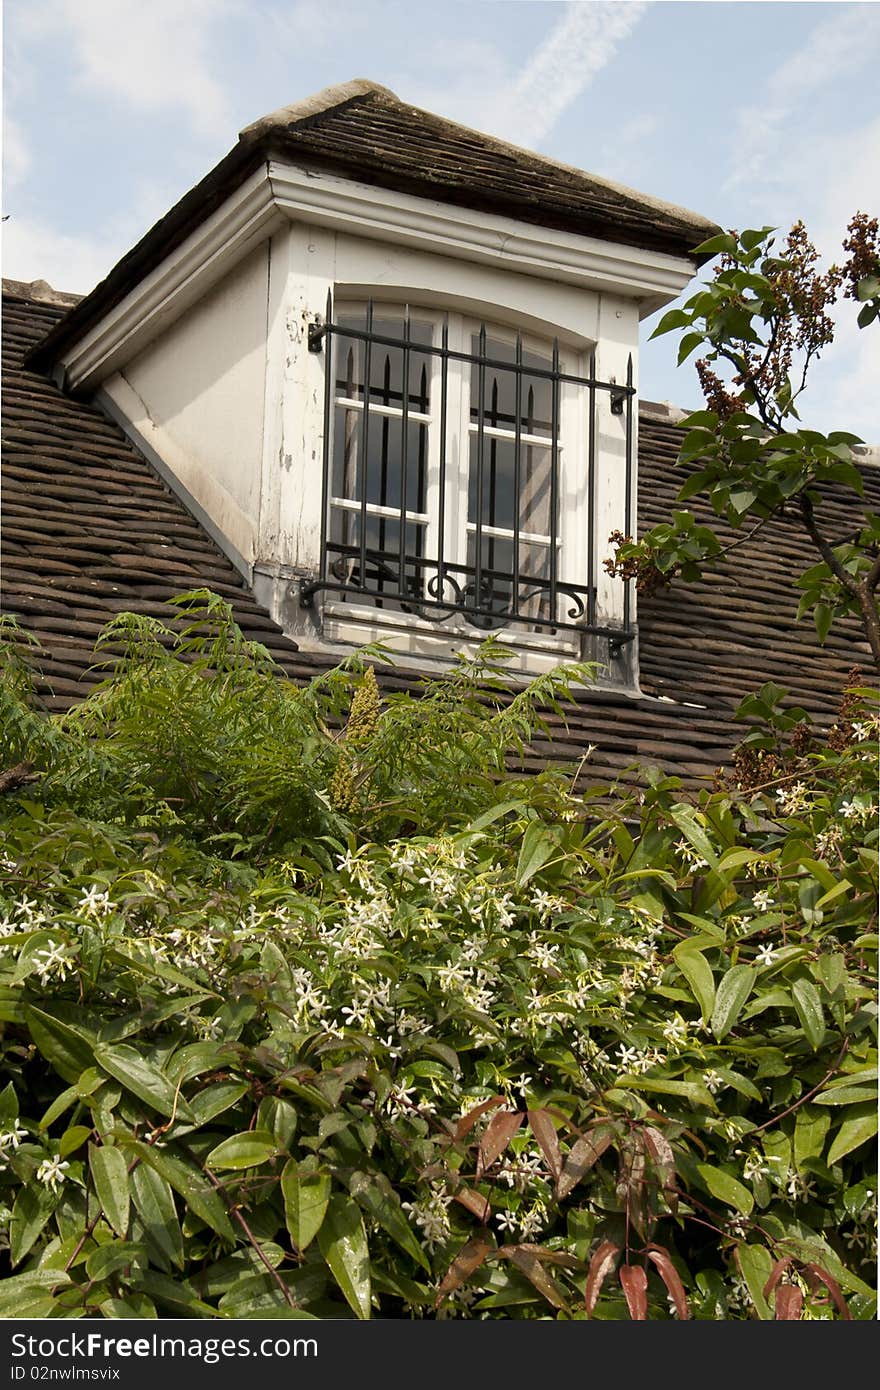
{"x":237,"y":227}
{"x":652,"y":277}
{"x":281,"y":190}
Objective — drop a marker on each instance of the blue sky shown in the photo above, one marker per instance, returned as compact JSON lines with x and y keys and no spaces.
{"x":750,"y":113}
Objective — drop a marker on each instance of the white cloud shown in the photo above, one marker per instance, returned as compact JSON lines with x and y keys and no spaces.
{"x":16,"y":155}
{"x":74,"y":264}
{"x":766,"y":135}
{"x":485,"y":91}
{"x":152,"y":55}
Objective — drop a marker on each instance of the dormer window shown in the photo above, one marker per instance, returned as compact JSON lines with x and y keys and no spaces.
{"x":459,"y":471}
{"x":390,"y":365}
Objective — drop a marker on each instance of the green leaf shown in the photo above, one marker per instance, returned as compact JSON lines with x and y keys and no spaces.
{"x":698,"y":973}
{"x":810,"y":1130}
{"x":306,"y":1195}
{"x":154,"y":1203}
{"x":246,"y":1150}
{"x":726,"y":1188}
{"x":851,"y":1134}
{"x":33,"y":1207}
{"x":190,"y":1183}
{"x":675,"y":318}
{"x":755,"y":1264}
{"x":19,"y":1293}
{"x":116,"y":1254}
{"x":847,"y":1095}
{"x":66,"y":1049}
{"x":140,"y":1077}
{"x":72,"y":1138}
{"x":688,"y":822}
{"x":9,"y":1105}
{"x":110,"y":1174}
{"x":343,"y":1243}
{"x":214,"y":1100}
{"x":808,"y":1007}
{"x":538,"y":845}
{"x":375,"y":1194}
{"x":733,"y":991}
{"x":693,"y":1091}
{"x":689,"y":343}
{"x":716,"y":244}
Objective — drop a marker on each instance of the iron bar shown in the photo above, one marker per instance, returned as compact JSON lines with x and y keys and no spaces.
{"x":591,"y":496}
{"x":554,"y":476}
{"x":365,"y":446}
{"x":478,"y":538}
{"x":441,"y":508}
{"x":404,"y":448}
{"x":627,"y":505}
{"x":517,"y":472}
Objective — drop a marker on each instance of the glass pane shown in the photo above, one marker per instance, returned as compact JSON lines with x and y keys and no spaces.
{"x":384,"y":455}
{"x":499,"y":485}
{"x":386,"y":362}
{"x":499,"y":389}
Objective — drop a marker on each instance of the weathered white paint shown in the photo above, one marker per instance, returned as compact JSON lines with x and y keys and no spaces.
{"x":197,"y":395}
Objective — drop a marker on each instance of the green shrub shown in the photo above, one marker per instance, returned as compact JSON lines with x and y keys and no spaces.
{"x":306,"y":1017}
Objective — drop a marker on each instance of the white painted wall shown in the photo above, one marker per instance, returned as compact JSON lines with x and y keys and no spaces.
{"x":196,"y":396}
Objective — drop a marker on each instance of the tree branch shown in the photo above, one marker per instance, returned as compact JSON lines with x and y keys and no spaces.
{"x":824,"y":549}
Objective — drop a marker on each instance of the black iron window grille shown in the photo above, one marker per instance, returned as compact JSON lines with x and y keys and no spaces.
{"x":444,"y":472}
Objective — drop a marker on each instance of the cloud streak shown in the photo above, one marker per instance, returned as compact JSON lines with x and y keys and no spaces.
{"x":485,"y":90}
{"x":583,"y":42}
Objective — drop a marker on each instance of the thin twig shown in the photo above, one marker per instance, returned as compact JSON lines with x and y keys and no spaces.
{"x":803,"y":1100}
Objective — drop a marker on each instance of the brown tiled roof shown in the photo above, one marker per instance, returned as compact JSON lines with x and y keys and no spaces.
{"x":89,"y":530}
{"x":364,"y":131}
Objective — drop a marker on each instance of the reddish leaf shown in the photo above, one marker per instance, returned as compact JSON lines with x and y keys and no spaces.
{"x":478,"y":1205}
{"x":816,"y":1274}
{"x":544,"y":1131}
{"x":669,"y":1274}
{"x":467,"y":1122}
{"x":663,"y":1158}
{"x":537,"y":1275}
{"x":634,"y":1282}
{"x":469,"y":1258}
{"x":499,"y":1133}
{"x":776,"y":1274}
{"x":601,"y":1264}
{"x":789,"y":1302}
{"x":632,"y":1178}
{"x":583,"y":1153}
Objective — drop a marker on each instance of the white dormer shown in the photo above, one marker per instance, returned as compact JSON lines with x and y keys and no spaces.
{"x":392,"y":365}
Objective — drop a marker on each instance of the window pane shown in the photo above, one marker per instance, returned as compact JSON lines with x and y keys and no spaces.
{"x":384,"y":455}
{"x":499,"y":490}
{"x":499,"y":389}
{"x":386,"y":362}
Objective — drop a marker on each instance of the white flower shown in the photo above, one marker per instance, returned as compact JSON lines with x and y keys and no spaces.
{"x":714,"y":1081}
{"x":762,"y":901}
{"x":27,"y":907}
{"x":675,"y":1031}
{"x":765,"y":956}
{"x":11,"y":1138}
{"x":56,"y":959}
{"x":94,"y":901}
{"x":51,"y":1173}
